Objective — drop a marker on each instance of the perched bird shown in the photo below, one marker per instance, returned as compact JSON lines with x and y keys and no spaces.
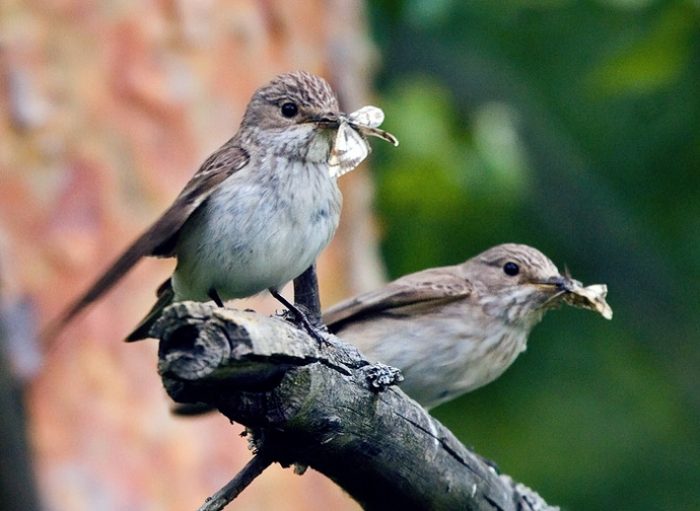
{"x":260,"y":209}
{"x":453,"y":329}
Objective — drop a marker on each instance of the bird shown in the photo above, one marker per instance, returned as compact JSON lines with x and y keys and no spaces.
{"x":453,"y":329}
{"x":258,"y":211}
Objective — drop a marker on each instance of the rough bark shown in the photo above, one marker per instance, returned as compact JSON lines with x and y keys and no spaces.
{"x":326,"y":407}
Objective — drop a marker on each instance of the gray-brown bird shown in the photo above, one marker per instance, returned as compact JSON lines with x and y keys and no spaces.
{"x":453,"y":329}
{"x":259,"y":210}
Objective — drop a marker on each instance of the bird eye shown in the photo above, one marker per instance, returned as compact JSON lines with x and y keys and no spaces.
{"x":511,"y":269}
{"x":289,"y":110}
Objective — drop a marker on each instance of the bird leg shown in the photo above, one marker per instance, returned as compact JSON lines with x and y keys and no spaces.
{"x":215,"y":296}
{"x":315,"y":331}
{"x":306,"y":295}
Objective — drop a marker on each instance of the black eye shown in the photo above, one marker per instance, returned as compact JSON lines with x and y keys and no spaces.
{"x":289,"y":110}
{"x":511,"y":269}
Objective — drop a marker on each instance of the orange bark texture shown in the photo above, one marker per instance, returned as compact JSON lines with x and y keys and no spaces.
{"x":106,"y":110}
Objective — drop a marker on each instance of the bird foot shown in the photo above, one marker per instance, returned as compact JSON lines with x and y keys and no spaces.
{"x":309,"y":322}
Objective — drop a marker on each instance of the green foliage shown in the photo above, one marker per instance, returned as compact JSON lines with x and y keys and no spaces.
{"x":574,"y":127}
{"x":446,"y":175}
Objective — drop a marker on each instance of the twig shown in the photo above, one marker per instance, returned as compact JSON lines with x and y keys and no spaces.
{"x":235,"y":486}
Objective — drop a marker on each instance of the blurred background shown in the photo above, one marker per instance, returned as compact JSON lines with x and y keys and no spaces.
{"x":570,"y":126}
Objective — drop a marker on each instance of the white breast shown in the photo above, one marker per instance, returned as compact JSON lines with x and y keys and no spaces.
{"x":263,"y":227}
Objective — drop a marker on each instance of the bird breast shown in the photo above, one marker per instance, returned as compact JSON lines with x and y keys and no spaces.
{"x":443,"y":354}
{"x":260,"y":229}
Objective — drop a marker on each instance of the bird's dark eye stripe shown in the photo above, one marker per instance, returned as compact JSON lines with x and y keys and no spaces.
{"x":511,"y":269}
{"x":289,"y":109}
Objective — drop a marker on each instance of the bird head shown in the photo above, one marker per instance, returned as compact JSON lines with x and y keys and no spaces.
{"x":518,"y":283}
{"x":296,"y":102}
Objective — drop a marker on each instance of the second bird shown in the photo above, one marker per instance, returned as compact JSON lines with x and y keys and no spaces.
{"x":453,"y":329}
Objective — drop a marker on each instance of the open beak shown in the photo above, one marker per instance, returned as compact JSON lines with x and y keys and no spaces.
{"x":556,"y":288}
{"x":328,"y":119}
{"x":332,"y":120}
{"x":565,"y":283}
{"x":560,"y":283}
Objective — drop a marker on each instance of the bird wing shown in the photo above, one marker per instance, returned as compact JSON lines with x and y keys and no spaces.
{"x":409,"y":294}
{"x":160,"y":239}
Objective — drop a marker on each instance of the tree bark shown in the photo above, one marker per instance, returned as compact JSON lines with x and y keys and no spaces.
{"x":326,"y":407}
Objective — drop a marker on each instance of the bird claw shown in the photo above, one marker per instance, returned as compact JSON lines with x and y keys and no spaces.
{"x":320,"y":333}
{"x":315,"y":329}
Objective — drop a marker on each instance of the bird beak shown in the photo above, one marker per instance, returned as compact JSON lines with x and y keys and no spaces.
{"x":555,"y":289}
{"x":333,"y":120}
{"x":328,"y":119}
{"x":559,"y":283}
{"x":564,"y":283}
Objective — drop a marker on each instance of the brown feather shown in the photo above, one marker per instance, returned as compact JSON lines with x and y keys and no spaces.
{"x":165,"y":295}
{"x":402,"y":296}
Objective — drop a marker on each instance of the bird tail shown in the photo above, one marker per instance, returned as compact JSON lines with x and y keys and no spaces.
{"x":166,"y":296}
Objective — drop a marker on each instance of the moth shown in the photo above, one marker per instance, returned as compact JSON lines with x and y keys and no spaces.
{"x":350,"y":147}
{"x":591,"y":297}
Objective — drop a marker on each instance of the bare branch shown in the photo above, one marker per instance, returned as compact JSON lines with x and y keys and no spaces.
{"x":320,"y":406}
{"x":235,"y":486}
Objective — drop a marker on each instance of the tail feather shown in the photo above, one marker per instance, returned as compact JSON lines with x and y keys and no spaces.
{"x":166,"y":296}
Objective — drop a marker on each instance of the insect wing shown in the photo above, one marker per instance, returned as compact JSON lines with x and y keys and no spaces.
{"x":367,"y":116}
{"x":349,"y":150}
